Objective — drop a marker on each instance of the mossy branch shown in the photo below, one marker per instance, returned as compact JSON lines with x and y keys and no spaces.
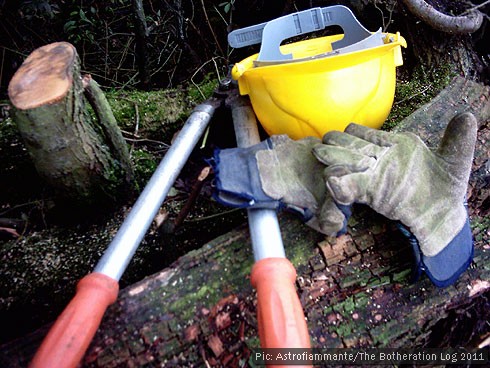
{"x":463,"y":24}
{"x":107,"y":121}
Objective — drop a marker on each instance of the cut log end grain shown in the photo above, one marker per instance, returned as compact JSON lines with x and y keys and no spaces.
{"x":45,"y":77}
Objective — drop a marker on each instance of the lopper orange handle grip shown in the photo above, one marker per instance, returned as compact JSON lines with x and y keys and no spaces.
{"x":280,"y":315}
{"x":70,"y":336}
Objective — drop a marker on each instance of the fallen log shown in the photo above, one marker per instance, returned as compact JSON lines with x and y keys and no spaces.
{"x":356,"y":290}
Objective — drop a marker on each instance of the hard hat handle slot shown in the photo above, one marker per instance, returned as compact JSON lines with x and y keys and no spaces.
{"x":374,"y":40}
{"x":272,"y":33}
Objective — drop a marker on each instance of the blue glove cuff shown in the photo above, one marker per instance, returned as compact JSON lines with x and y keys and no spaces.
{"x":444,"y":268}
{"x":237,"y":181}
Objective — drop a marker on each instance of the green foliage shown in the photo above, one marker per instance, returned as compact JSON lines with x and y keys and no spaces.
{"x":87,"y":23}
{"x":149,"y":120}
{"x":158,"y":113}
{"x":145,"y":165}
{"x":227,"y":6}
{"x":79,"y":27}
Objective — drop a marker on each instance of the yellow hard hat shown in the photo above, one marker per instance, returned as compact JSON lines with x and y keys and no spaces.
{"x":310,"y":87}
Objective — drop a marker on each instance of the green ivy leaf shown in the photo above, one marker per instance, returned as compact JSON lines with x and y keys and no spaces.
{"x":84,"y":17}
{"x":69,"y":26}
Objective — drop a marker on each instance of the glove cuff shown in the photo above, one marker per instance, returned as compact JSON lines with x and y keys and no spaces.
{"x":237,"y":182}
{"x":445,"y":267}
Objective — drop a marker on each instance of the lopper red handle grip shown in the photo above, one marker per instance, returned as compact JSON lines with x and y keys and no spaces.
{"x":280,"y":315}
{"x":70,"y":336}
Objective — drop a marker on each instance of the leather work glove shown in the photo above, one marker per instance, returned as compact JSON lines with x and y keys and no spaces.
{"x":279,"y":173}
{"x":400,"y":178}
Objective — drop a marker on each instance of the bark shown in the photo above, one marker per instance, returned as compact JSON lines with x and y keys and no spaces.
{"x":74,"y":155}
{"x":436,"y":49}
{"x":111,"y":132}
{"x":141,"y":33}
{"x":355,"y":289}
{"x":429,"y":47}
{"x":443,"y":22}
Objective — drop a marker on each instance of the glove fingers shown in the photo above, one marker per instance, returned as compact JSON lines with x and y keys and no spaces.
{"x":349,"y":188}
{"x":353,"y":143}
{"x":375,"y":136}
{"x":276,"y":140}
{"x":335,"y":170}
{"x":458,"y":144}
{"x":331,"y":220}
{"x":335,"y":155}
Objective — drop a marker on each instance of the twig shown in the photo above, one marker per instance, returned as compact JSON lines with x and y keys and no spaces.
{"x":175,"y":68}
{"x":23,"y":54}
{"x":196,"y":189}
{"x":221,"y":16}
{"x":124,"y":54}
{"x":129,"y":81}
{"x":20,"y":206}
{"x":136,"y":127}
{"x":163,"y":49}
{"x":164,"y":146}
{"x":215,"y":215}
{"x":136,"y":119}
{"x":165,"y":62}
{"x":211,"y":28}
{"x":412,"y":96}
{"x":146,"y":140}
{"x":390,"y":17}
{"x":118,"y":34}
{"x":475,"y":7}
{"x":205,"y":138}
{"x":123,"y":85}
{"x":199,"y":69}
{"x":382,"y":16}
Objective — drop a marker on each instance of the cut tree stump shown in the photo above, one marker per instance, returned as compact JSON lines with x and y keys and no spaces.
{"x":355,"y":290}
{"x":83,"y":159}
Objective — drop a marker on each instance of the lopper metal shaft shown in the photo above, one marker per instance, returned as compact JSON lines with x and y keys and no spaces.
{"x":70,"y":336}
{"x":281,"y":321}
